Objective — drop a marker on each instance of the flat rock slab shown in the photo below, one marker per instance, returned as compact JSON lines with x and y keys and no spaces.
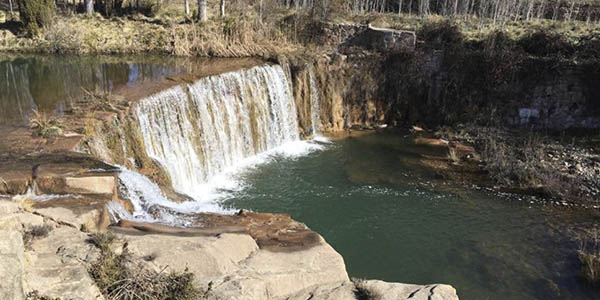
{"x":400,"y":291}
{"x":59,"y":173}
{"x":238,"y":268}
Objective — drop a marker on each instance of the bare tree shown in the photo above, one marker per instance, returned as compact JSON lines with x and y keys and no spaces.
{"x":222,"y":8}
{"x":11,"y":9}
{"x":187,"y":7}
{"x":202,"y":16}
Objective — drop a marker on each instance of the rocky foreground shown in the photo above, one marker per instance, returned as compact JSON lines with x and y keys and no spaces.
{"x":54,"y":262}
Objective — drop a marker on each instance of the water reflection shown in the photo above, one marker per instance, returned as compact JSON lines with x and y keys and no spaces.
{"x":53,"y":83}
{"x":50,"y":83}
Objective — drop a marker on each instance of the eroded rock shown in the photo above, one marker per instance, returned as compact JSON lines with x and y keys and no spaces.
{"x":401,"y":291}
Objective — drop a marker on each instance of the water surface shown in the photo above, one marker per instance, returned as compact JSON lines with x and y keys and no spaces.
{"x":394,"y":221}
{"x":53,"y":83}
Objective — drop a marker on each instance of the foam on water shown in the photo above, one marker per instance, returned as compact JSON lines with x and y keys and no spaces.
{"x":207,"y":134}
{"x":144,"y":193}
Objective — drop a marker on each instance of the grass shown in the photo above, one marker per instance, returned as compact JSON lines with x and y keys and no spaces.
{"x":123,"y":276}
{"x":246,"y":31}
{"x":362,"y":292}
{"x":45,"y":125}
{"x":36,"y":232}
{"x":589,"y":256}
{"x":35,"y":295}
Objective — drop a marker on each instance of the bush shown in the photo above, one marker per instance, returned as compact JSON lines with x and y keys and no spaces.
{"x":36,"y":232}
{"x":120,"y":276}
{"x":589,"y":256}
{"x":361,"y":292}
{"x":36,"y":14}
{"x":546,"y":43}
{"x":44,"y":125}
{"x":441,"y":35}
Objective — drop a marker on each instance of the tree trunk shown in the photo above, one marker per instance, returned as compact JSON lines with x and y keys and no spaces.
{"x":89,"y":7}
{"x":187,"y":7}
{"x":11,"y":9}
{"x":222,"y":8}
{"x":202,"y":11}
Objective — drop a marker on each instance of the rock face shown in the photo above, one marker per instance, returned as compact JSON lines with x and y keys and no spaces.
{"x":11,"y":253}
{"x":55,"y":264}
{"x":238,"y":268}
{"x":367,"y":37}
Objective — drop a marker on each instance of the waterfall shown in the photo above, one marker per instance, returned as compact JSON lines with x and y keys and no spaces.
{"x":315,"y":110}
{"x":197,"y":131}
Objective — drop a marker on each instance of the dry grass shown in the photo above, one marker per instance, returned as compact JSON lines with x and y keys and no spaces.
{"x":589,"y":256}
{"x":45,"y":125}
{"x":36,"y":232}
{"x":35,"y":295}
{"x":122,"y":276}
{"x":232,"y":36}
{"x":361,"y":291}
{"x":25,"y":201}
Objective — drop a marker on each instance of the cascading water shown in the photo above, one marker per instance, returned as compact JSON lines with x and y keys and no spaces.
{"x":200,"y":130}
{"x":202,"y":133}
{"x":315,"y":110}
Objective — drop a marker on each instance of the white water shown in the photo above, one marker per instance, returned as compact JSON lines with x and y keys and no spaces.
{"x":315,"y":109}
{"x":207,"y":133}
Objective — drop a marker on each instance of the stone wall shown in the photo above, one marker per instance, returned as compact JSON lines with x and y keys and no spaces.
{"x":364,"y":90}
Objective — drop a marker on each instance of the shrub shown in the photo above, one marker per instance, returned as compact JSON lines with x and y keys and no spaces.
{"x":36,"y":232}
{"x":44,"y":125}
{"x":35,"y":295}
{"x":589,"y":256}
{"x":362,"y":292}
{"x":120,"y":276}
{"x":36,"y":14}
{"x":443,"y":34}
{"x":546,"y":43}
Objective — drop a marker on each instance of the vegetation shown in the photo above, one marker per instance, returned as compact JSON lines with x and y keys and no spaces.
{"x":36,"y":14}
{"x":36,"y":232}
{"x":121,"y":276}
{"x":45,"y":125}
{"x":362,"y":292}
{"x":35,"y":295}
{"x":589,"y":256}
{"x":271,"y":27}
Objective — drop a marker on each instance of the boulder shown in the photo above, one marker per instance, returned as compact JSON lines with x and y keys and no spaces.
{"x":11,"y":265}
{"x":238,"y":268}
{"x":14,"y":181}
{"x":91,"y":220}
{"x":56,"y":265}
{"x":344,"y":291}
{"x":399,"y":291}
{"x":61,"y":184}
